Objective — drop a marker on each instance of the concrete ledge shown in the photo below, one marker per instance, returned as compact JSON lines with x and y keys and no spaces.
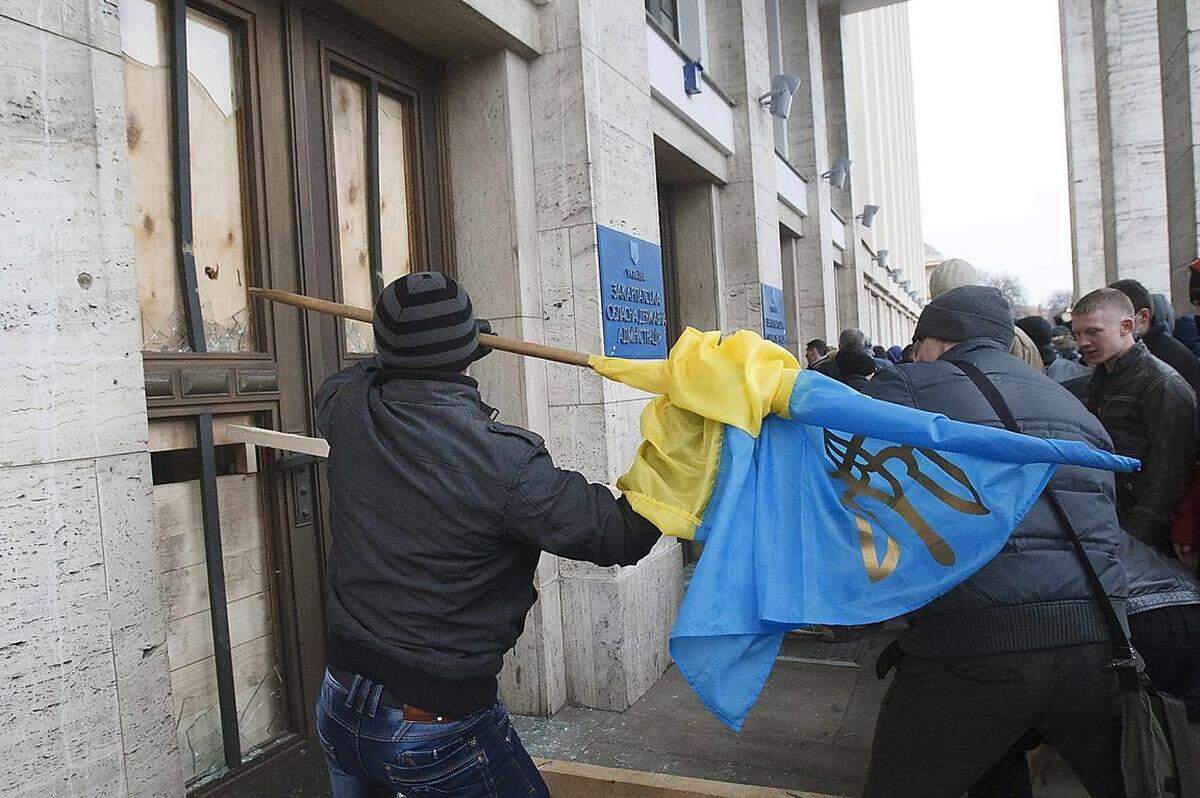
{"x":581,"y":780}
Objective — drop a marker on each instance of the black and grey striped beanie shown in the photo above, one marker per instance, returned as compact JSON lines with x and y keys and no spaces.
{"x":425,"y":321}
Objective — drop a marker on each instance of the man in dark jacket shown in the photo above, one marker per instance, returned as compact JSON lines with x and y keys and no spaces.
{"x":850,"y":339}
{"x":1059,"y":369}
{"x":1147,"y":408}
{"x":1156,"y":333}
{"x":439,"y":515}
{"x":815,"y":351}
{"x":1022,"y":644}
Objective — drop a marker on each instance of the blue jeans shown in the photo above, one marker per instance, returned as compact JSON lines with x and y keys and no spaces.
{"x":372,"y":752}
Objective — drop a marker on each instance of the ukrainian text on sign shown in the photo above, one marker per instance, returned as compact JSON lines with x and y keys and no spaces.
{"x":774,"y":322}
{"x":632,"y":302}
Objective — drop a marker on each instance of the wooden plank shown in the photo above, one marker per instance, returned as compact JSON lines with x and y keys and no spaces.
{"x":185,"y":590}
{"x":179,"y":528}
{"x":152,"y":189}
{"x":189,"y":639}
{"x":285,"y":441}
{"x":582,"y":780}
{"x":167,"y":434}
{"x":395,"y":122}
{"x":218,"y":185}
{"x":348,"y":120}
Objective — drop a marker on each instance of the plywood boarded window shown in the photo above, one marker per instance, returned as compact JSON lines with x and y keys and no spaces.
{"x":395,"y":200}
{"x":152,"y":183}
{"x":258,"y":682}
{"x":216,"y":189}
{"x":372,"y":132}
{"x":349,"y":121}
{"x":215,"y":119}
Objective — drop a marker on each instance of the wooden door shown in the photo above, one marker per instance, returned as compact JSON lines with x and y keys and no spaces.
{"x":214,"y":208}
{"x":368,"y":152}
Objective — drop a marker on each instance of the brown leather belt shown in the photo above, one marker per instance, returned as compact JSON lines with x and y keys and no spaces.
{"x":387,"y":699}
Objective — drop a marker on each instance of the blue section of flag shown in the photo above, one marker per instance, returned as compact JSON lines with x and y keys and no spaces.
{"x":851,"y":512}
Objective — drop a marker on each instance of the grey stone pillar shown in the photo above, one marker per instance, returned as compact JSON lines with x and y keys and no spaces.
{"x":1179,"y":45}
{"x":1114,"y":95}
{"x":1134,"y":86}
{"x":1091,"y":228}
{"x":737,"y":39}
{"x":593,"y":161}
{"x":849,"y":279}
{"x":812,"y":255}
{"x":495,"y":228}
{"x":87,"y":691}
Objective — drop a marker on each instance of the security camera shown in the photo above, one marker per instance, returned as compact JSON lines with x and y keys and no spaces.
{"x":867,"y":217}
{"x":779,"y":98}
{"x":838,"y":172}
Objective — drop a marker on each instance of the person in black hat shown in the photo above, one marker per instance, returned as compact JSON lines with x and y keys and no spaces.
{"x":1021,"y":644}
{"x":1059,"y":369}
{"x":439,"y":514}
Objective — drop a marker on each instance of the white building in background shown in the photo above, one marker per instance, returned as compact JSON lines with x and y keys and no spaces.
{"x":542,"y":151}
{"x":883,"y":146}
{"x":1131,"y":72}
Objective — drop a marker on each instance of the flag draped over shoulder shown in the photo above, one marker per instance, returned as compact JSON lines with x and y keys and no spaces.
{"x":815,"y":504}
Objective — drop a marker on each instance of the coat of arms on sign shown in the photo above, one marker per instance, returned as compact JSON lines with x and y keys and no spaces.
{"x":633,"y":251}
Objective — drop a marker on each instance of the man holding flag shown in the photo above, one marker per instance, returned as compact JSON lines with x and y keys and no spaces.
{"x":1022,"y":643}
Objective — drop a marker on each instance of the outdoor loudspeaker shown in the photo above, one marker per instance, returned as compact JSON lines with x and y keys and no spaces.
{"x":867,"y":217}
{"x":838,"y":172}
{"x":779,"y":98}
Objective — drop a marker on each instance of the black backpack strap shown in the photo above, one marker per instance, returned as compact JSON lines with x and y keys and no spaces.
{"x":1125,"y":659}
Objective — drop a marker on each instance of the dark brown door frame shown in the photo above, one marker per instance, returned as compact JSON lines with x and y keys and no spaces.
{"x":272,"y":255}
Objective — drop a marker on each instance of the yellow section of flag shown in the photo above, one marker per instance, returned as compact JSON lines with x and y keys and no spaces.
{"x":704,"y":384}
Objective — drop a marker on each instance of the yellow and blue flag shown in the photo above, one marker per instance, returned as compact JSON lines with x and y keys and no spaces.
{"x":815,"y":504}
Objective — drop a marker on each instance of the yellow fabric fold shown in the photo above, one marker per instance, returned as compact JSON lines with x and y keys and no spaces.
{"x":704,"y":384}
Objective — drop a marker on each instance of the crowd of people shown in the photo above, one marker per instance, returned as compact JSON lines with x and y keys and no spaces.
{"x":1014,"y":659}
{"x":439,"y":515}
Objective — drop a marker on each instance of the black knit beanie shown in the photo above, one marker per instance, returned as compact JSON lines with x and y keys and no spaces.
{"x":969,"y":311}
{"x":425,"y":321}
{"x":1042,"y":335}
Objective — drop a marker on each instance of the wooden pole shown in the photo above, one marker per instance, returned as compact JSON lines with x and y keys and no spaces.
{"x":553,"y":353}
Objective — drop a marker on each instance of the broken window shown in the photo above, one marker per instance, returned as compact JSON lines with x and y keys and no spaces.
{"x":214,"y":210}
{"x":249,"y":595}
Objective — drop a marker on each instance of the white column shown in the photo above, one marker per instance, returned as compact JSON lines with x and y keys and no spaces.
{"x":593,"y":161}
{"x":87,"y":691}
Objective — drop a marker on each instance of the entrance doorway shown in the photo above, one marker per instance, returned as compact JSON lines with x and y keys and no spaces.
{"x":273,"y":143}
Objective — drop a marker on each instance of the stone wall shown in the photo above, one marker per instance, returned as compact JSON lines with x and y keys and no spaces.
{"x":87,"y":707}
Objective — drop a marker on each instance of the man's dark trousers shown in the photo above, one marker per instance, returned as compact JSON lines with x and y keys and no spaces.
{"x":946,"y":721}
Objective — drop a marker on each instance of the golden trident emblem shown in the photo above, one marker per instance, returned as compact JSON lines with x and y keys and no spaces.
{"x":854,"y":468}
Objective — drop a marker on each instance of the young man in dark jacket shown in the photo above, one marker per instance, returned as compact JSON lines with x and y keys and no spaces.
{"x":1156,"y":333}
{"x":1022,"y":643}
{"x":1147,"y":408}
{"x":439,"y":514}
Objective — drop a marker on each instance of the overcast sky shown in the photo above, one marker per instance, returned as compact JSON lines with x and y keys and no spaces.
{"x":987,"y":75}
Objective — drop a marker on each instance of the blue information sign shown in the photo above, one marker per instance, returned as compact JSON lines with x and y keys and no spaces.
{"x":774,"y":321}
{"x":631,"y":295}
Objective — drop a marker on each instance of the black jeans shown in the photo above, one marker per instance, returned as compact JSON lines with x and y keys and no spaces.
{"x":1169,"y":641}
{"x":944,"y":722}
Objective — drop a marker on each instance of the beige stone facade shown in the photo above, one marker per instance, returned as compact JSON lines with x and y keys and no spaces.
{"x":550,"y":118}
{"x":1132,"y":88}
